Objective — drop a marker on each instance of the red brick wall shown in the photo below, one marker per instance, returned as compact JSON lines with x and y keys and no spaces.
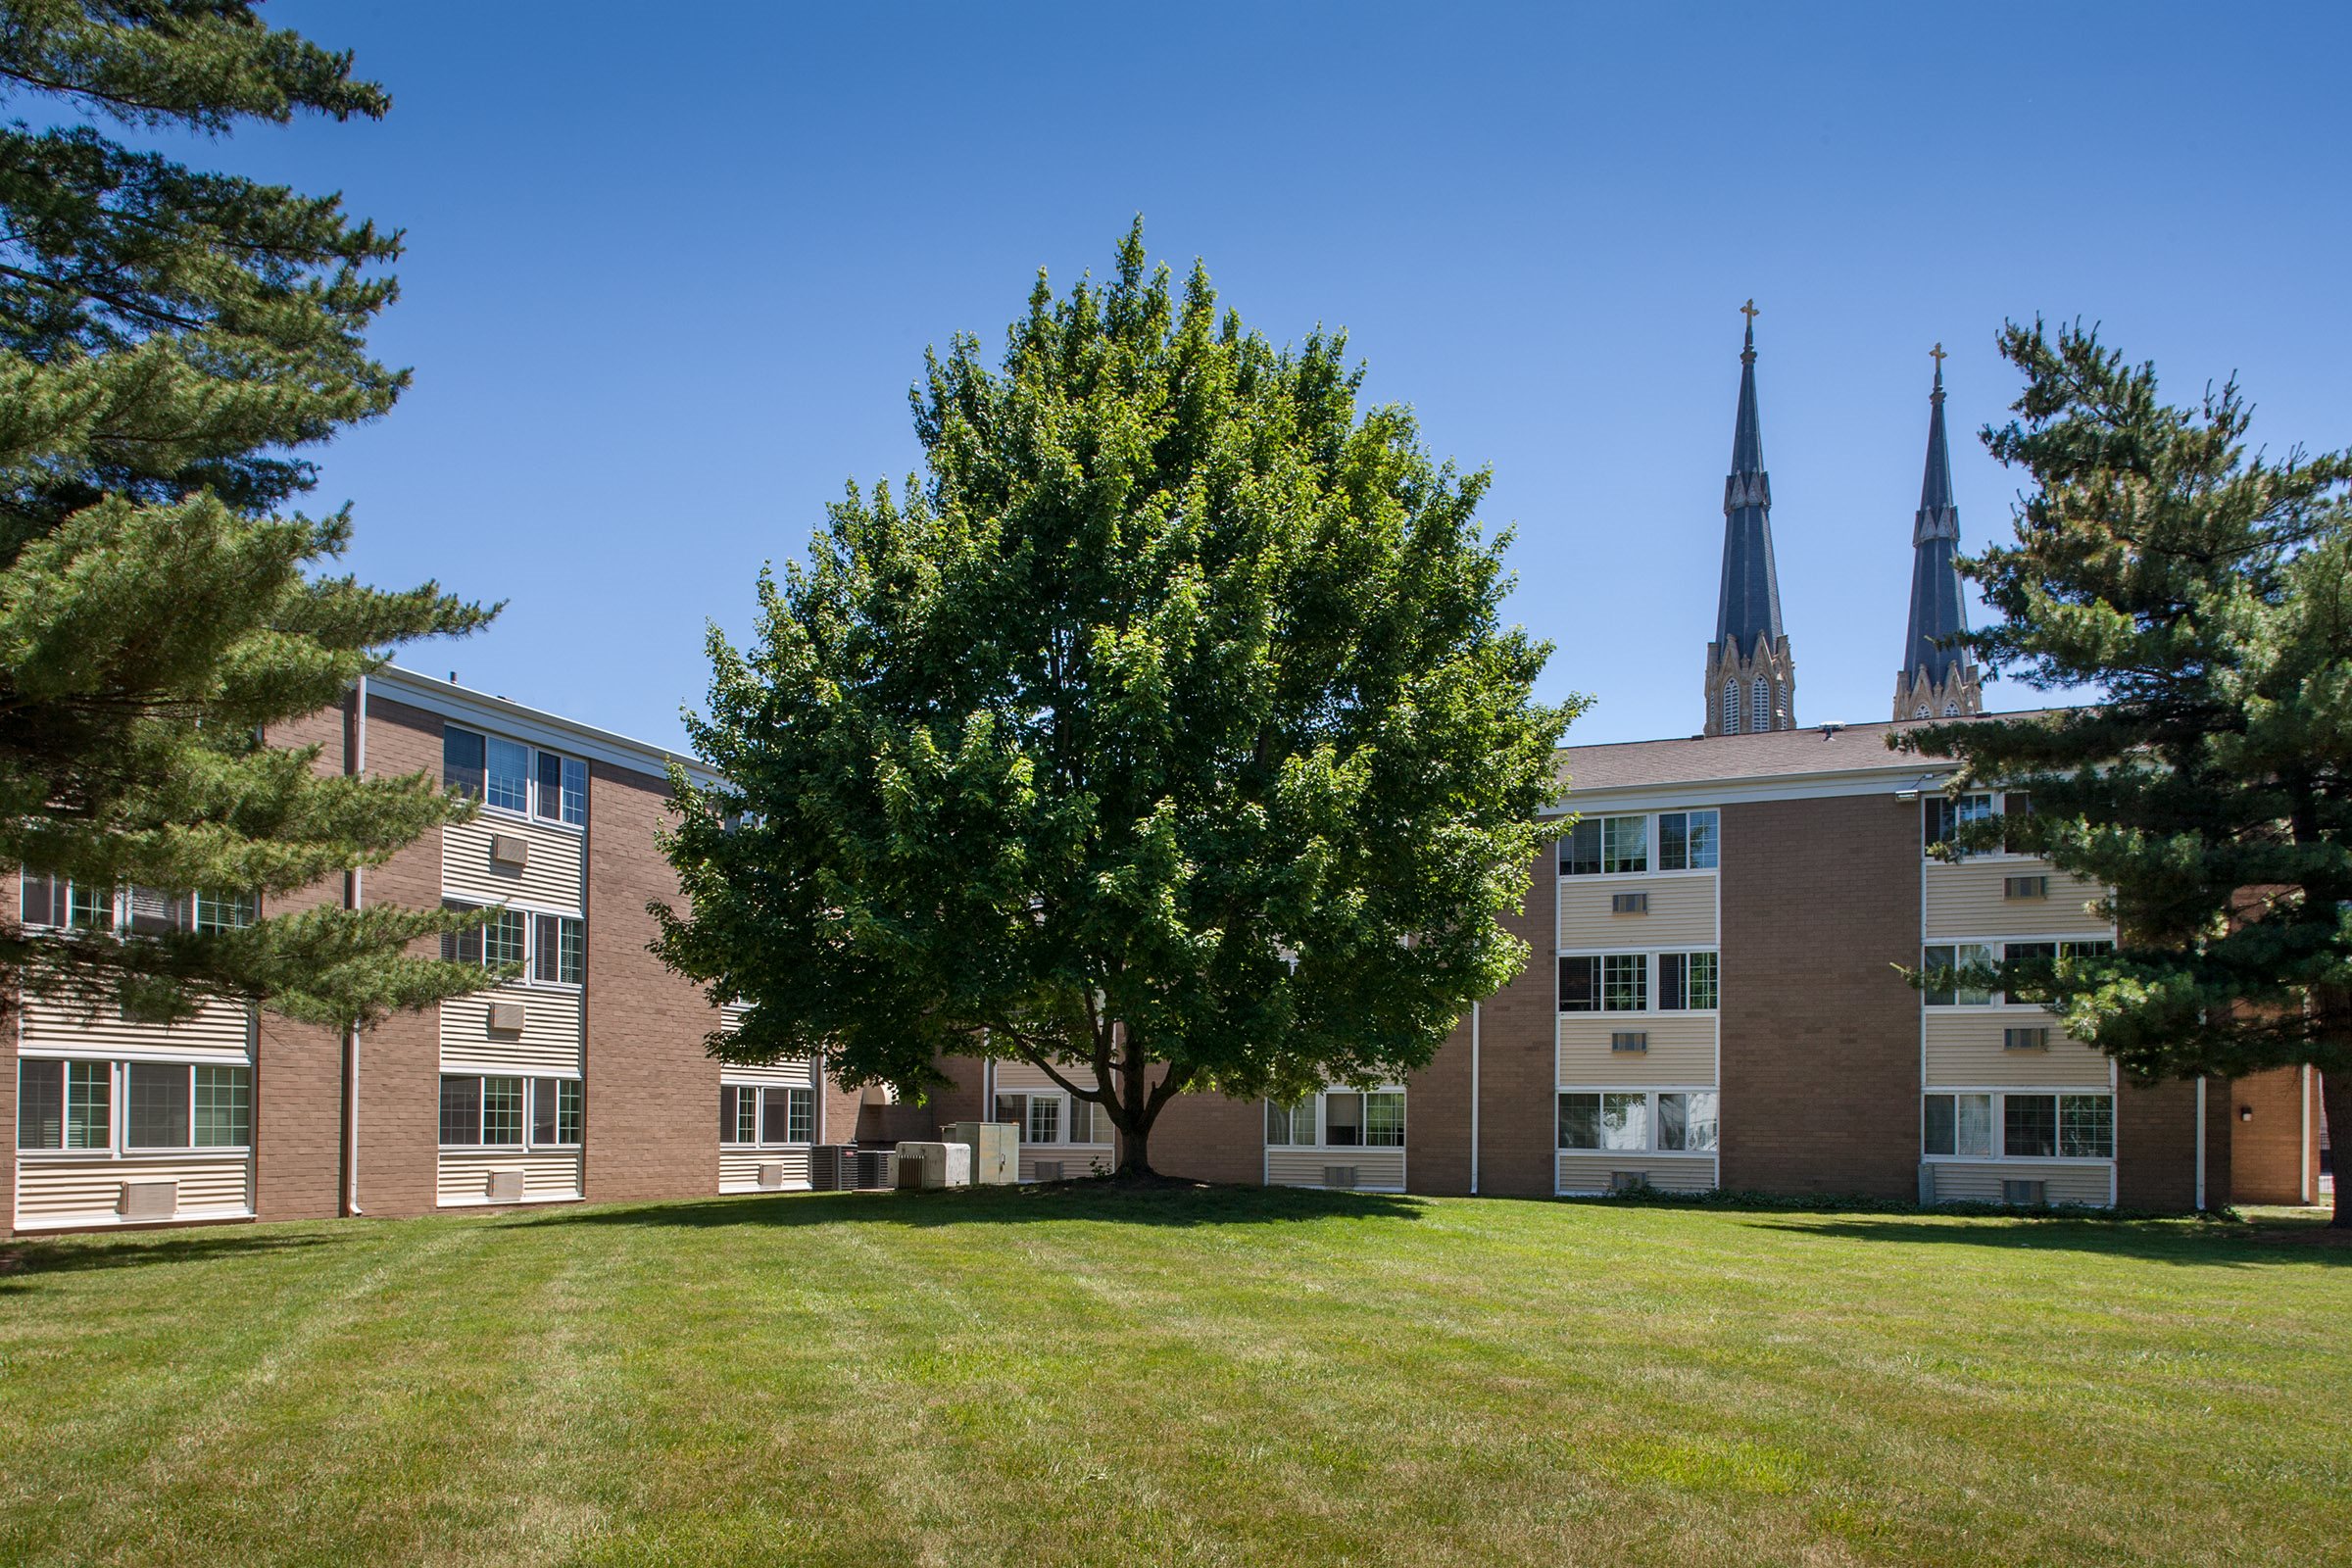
{"x":1437,"y":1119}
{"x":1518,"y":1055}
{"x":2267,"y":1158}
{"x":2156,"y":1144}
{"x":1208,"y":1138}
{"x":1820,"y":1041}
{"x":653,"y":1087}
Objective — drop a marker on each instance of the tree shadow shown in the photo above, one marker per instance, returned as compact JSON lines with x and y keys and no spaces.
{"x":27,"y":1258}
{"x":2207,"y":1243}
{"x":1176,"y":1204}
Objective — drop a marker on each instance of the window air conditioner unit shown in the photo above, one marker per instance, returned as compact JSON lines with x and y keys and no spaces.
{"x":2033,"y":1192}
{"x":1048,"y":1170}
{"x":1629,"y":1181}
{"x":2034,"y":1038}
{"x":1632,"y":1040}
{"x":504,"y":1186}
{"x":2024,"y":887}
{"x":505,"y":1017}
{"x":1341,"y":1176}
{"x":510,"y":849}
{"x":150,"y":1200}
{"x":772,"y":1177}
{"x":1629,"y":904}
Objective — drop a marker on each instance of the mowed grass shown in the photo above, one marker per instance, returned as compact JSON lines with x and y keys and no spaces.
{"x":1085,"y":1377}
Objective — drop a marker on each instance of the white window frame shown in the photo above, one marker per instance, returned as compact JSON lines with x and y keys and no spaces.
{"x":118,"y":1145}
{"x":533,"y":788}
{"x":2000,"y":1095}
{"x":1651,"y":1122}
{"x":1998,"y":1001}
{"x":186,"y":909}
{"x":1064,"y":1100}
{"x":530,"y":1113}
{"x":482,"y":1120}
{"x":1651,"y":973}
{"x":1654,"y":837}
{"x":760,"y":1092}
{"x":532,"y":915}
{"x":1322,"y":1121}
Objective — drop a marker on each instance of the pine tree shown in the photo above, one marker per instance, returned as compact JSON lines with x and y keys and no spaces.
{"x":1162,"y":735}
{"x":2209,"y":593}
{"x":172,"y":342}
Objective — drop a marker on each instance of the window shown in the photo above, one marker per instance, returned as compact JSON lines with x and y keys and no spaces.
{"x":563,"y":789}
{"x":559,"y":949}
{"x":1780,"y":698}
{"x":462,"y":946}
{"x":1384,"y":1119}
{"x":481,"y":1112}
{"x":556,"y":1106}
{"x":1958,"y":1124}
{"x":1289,"y":1125}
{"x":462,"y":754}
{"x":1731,"y":708}
{"x":1045,"y":1119}
{"x":1580,"y":1121}
{"x":503,"y":939}
{"x":217,"y":912}
{"x":157,"y":1094}
{"x":1687,"y":841}
{"x":89,"y":1105}
{"x":40,"y":1104}
{"x":1686,"y":982}
{"x":1344,"y":1120}
{"x":153,"y":911}
{"x":1580,"y":850}
{"x":1687,"y":1122}
{"x":1759,"y":706}
{"x":2029,"y":1126}
{"x":1624,"y":844}
{"x":1084,"y":1127}
{"x":1625,"y":982}
{"x":510,"y":782}
{"x":799,"y":1116}
{"x":89,"y":909}
{"x":738,"y":1114}
{"x":1940,"y":815}
{"x":42,"y":900}
{"x":2087,"y":1126}
{"x":1624,"y":1121}
{"x":1951,"y":957}
{"x":224,"y":1107}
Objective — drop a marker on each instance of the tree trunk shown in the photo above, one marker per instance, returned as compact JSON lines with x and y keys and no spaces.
{"x":1135,"y":1138}
{"x":2335,"y":1095}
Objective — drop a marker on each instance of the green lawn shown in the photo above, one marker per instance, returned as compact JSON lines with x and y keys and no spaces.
{"x":1084,"y":1377}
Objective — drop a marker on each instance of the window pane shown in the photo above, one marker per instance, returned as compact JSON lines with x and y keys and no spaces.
{"x":1932,"y":959}
{"x":1279,"y":1119}
{"x":1383,"y":1120}
{"x":503,"y":938}
{"x":461,"y":1110}
{"x":1704,"y":995}
{"x":89,"y":909}
{"x":775,"y":1121}
{"x":1082,"y":1121}
{"x":575,"y":793}
{"x":2028,"y":1125}
{"x":1973,"y":1121}
{"x":571,"y":950}
{"x":544,"y":947}
{"x":1673,"y":968}
{"x":2084,"y":949}
{"x":1580,"y":850}
{"x":1972,"y":809}
{"x":158,"y":1095}
{"x":42,"y":900}
{"x":726,"y":1113}
{"x":800,"y":1125}
{"x":217,"y":912}
{"x":1045,"y":1119}
{"x":89,"y":1105}
{"x":542,"y":1111}
{"x":40,"y":1104}
{"x":2087,"y":1126}
{"x":1344,"y":1120}
{"x":1013,"y":1109}
{"x":501,"y":1111}
{"x":1934,"y":821}
{"x":1937,"y":1126}
{"x":1625,"y":843}
{"x":152,"y":911}
{"x":1625,"y":982}
{"x":461,"y":946}
{"x":1674,"y":1121}
{"x":1674,"y":842}
{"x":1704,"y":1123}
{"x":509,"y":785}
{"x":1580,"y":984}
{"x":462,"y":763}
{"x":550,"y":803}
{"x":1974,"y":955}
{"x":1625,"y":1122}
{"x":1580,"y":1121}
{"x":571,"y":1099}
{"x":1705,"y":833}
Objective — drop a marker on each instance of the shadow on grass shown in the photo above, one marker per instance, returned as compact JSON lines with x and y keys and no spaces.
{"x":2215,"y":1244}
{"x":27,"y":1258}
{"x":1173,"y":1204}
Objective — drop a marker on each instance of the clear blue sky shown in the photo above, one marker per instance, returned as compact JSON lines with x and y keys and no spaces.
{"x":673,"y":269}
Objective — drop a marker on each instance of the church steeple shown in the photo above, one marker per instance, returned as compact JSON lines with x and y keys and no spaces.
{"x":1937,"y":679}
{"x":1751,"y":679}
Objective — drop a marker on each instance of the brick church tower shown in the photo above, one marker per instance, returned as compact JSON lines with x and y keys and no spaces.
{"x":1936,"y":680}
{"x":1751,"y":679}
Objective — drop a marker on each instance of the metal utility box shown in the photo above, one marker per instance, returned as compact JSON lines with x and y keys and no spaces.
{"x":996,"y":1148}
{"x":927,"y":1166}
{"x":833,"y":1167}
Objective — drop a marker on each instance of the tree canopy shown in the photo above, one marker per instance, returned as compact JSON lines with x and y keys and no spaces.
{"x":1161,"y":733}
{"x":173,"y":343}
{"x":2208,"y":592}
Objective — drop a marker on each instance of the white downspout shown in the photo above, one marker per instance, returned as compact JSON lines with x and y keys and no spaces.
{"x":350,"y":1127}
{"x":2303,"y":1166}
{"x":2200,"y":1143}
{"x":1474,"y":1100}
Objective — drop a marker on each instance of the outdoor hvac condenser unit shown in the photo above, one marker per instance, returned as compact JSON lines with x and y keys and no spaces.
{"x":929,"y":1166}
{"x":874,"y":1168}
{"x":996,"y":1148}
{"x":833,"y":1167}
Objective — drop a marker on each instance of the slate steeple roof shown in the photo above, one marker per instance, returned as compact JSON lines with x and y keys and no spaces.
{"x":1749,"y":608}
{"x":1937,"y":612}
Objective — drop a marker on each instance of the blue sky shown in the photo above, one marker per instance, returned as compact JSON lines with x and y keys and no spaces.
{"x":673,"y":270}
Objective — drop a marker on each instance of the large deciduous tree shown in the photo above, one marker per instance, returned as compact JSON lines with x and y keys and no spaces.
{"x":172,"y":342}
{"x":1161,"y":734}
{"x":2208,"y":591}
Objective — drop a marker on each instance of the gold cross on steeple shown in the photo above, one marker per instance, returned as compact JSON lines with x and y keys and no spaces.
{"x":1938,"y":356}
{"x":1751,"y":312}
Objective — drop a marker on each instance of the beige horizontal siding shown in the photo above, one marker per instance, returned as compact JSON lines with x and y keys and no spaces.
{"x":550,"y":1041}
{"x":1965,"y":901}
{"x":221,"y":1032}
{"x":1592,"y":1172}
{"x":545,"y":1176}
{"x":1980,"y":1181}
{"x":1965,"y":1052}
{"x":1681,"y":912}
{"x":1376,"y":1169}
{"x":551,"y":877}
{"x":1681,"y":1050}
{"x":89,"y":1191}
{"x":731,"y":1015}
{"x":1077,"y":1160}
{"x":739,"y":1169}
{"x":792,"y":1073}
{"x":1016,"y":1077}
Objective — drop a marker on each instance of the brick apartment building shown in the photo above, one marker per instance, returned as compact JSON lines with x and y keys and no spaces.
{"x":1713,"y":998}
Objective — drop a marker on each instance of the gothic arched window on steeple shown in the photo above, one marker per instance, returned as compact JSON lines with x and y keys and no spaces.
{"x":1951,"y":710}
{"x":1759,"y":706}
{"x":1731,"y":708}
{"x":1780,"y":700}
{"x":1921,"y":712}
